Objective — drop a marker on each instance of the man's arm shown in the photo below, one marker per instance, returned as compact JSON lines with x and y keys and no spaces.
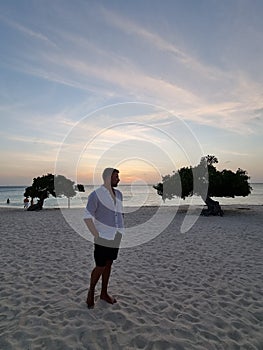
{"x":90,"y":213}
{"x":90,"y":224}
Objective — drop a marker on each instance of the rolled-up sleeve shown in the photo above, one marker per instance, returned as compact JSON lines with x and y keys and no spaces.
{"x":105,"y":212}
{"x":89,"y":212}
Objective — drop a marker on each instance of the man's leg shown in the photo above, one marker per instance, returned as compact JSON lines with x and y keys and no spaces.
{"x":105,"y":281}
{"x":95,"y":276}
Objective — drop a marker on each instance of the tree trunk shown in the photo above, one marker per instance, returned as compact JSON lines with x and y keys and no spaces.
{"x":68,"y":202}
{"x":37,"y":206}
{"x":213,"y":208}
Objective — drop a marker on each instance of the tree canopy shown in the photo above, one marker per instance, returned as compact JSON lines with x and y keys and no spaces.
{"x":46,"y":185}
{"x":204,"y":180}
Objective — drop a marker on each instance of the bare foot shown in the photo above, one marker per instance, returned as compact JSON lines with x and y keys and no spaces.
{"x":108,"y":298}
{"x":90,"y":299}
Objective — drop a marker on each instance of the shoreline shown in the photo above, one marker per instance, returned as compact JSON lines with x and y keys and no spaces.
{"x":180,"y":206}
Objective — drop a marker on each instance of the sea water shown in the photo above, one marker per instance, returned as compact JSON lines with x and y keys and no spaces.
{"x":133,"y":196}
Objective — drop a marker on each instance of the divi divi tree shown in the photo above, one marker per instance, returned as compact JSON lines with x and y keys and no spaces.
{"x":46,"y":185}
{"x":206,"y":181}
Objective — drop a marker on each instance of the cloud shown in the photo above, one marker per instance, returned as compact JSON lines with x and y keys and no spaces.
{"x":32,"y":140}
{"x":154,"y":39}
{"x":234,"y":153}
{"x":27,"y":158}
{"x":215,"y":97}
{"x":237,"y":92}
{"x":127,"y":80}
{"x":27,"y":31}
{"x":259,"y":112}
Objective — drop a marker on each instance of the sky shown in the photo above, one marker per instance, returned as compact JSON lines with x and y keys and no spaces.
{"x":145,"y":86}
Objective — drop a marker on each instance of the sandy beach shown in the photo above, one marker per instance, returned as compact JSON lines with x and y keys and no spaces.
{"x":201,"y":289}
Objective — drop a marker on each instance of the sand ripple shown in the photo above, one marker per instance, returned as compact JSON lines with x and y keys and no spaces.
{"x":197,"y":290}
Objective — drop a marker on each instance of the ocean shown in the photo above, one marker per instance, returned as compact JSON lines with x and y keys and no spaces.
{"x":133,"y":196}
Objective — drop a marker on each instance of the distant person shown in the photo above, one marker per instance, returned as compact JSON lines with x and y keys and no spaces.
{"x":26,"y":203}
{"x":8,"y":201}
{"x":104,"y":219}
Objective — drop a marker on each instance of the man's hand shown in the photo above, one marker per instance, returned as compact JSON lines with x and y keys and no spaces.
{"x":91,"y":227}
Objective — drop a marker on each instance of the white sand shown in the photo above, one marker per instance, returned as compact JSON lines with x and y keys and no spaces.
{"x":196,"y":290}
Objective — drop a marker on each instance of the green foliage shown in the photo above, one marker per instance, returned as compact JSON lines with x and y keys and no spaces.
{"x":46,"y":185}
{"x":63,"y":187}
{"x":204,"y":180}
{"x":41,"y":187}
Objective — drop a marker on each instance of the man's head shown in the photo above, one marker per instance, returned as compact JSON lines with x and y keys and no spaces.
{"x":111,"y":177}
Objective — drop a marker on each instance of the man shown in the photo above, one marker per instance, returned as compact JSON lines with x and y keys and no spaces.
{"x":104,"y":219}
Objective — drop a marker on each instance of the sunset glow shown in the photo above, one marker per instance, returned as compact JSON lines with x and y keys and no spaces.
{"x":144,"y":88}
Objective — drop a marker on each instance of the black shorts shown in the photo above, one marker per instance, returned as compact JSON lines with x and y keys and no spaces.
{"x":106,"y":250}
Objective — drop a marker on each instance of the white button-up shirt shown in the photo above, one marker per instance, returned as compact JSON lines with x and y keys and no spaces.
{"x":106,"y":213}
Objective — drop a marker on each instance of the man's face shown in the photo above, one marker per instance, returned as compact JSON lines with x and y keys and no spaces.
{"x":115,"y":179}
